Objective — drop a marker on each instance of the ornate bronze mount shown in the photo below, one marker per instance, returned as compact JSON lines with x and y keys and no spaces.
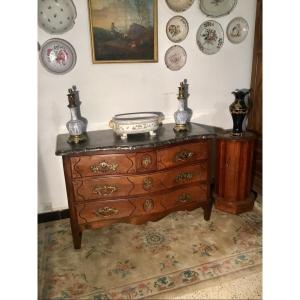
{"x":148,"y":183}
{"x":76,"y":139}
{"x":107,"y":212}
{"x":181,"y":127}
{"x":184,"y":197}
{"x":148,"y":205}
{"x":183,"y":155}
{"x":146,"y":161}
{"x":184,"y":177}
{"x":104,"y":167}
{"x":105,"y":190}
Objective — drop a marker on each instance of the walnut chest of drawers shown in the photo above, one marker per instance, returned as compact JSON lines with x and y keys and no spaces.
{"x":144,"y":178}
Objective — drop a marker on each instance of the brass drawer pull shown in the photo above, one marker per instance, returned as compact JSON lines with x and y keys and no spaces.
{"x":104,"y":167}
{"x":148,"y":183}
{"x":107,"y":212}
{"x":183,"y":155}
{"x":146,"y":161}
{"x":184,"y":197}
{"x":184,"y":177}
{"x":105,"y":190}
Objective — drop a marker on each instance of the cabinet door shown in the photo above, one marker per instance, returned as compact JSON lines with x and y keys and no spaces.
{"x":238,"y":162}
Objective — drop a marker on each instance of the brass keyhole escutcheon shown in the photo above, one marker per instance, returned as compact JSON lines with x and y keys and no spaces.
{"x":148,"y":183}
{"x":146,"y":161}
{"x":184,"y":197}
{"x":148,"y":205}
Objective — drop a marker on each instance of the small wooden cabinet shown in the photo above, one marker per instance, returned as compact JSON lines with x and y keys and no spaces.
{"x":109,"y":180}
{"x":234,"y":173}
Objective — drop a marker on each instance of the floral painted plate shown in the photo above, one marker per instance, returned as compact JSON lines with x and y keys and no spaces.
{"x":217,"y":8}
{"x":57,"y":56}
{"x":237,"y":30}
{"x":175,"y":58}
{"x":210,"y":37}
{"x":179,"y":5}
{"x":177,"y":29}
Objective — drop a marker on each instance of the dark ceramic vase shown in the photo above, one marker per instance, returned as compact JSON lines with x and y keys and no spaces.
{"x":239,"y":110}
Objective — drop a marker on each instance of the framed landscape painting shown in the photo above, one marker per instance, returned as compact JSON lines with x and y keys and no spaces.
{"x":123,"y":30}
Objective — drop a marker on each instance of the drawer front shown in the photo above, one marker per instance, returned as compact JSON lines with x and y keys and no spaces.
{"x":185,"y":196}
{"x":101,"y":188}
{"x":112,"y":187}
{"x":98,"y":165}
{"x":185,"y":175}
{"x":103,"y":210}
{"x":178,"y":155}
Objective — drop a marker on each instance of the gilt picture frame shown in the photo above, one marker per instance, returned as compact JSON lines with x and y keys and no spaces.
{"x":123,"y":31}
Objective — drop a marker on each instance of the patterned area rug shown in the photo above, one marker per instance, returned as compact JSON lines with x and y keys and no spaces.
{"x":125,"y":261}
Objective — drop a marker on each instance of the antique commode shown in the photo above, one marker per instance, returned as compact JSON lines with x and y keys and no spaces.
{"x":109,"y":180}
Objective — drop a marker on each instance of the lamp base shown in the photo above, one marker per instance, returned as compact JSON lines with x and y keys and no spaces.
{"x":76,"y":139}
{"x":181,"y":127}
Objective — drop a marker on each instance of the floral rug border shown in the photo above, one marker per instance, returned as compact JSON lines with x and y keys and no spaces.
{"x":182,"y":278}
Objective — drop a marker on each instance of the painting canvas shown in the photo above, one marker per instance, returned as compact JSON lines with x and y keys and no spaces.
{"x":123,"y":30}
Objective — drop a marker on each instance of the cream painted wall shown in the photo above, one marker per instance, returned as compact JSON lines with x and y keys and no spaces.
{"x":109,"y":89}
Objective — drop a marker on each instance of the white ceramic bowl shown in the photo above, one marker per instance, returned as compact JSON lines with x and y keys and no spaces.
{"x":133,"y":123}
{"x":56,"y":16}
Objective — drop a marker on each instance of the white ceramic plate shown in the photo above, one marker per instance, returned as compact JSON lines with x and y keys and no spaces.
{"x":57,"y":56}
{"x":210,"y":37}
{"x":175,"y":58}
{"x":56,"y":16}
{"x":237,"y":30}
{"x":217,"y":8}
{"x":179,"y":5}
{"x":177,"y":29}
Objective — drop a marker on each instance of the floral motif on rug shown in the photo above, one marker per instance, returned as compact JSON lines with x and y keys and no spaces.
{"x":125,"y":261}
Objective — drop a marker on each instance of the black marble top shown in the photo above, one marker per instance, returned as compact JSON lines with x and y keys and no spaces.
{"x":107,"y":140}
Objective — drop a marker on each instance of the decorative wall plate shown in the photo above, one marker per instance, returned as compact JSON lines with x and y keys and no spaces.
{"x":210,"y":37}
{"x":56,"y":16}
{"x":179,"y":5}
{"x":217,"y":8}
{"x":237,"y":30}
{"x":175,"y":58}
{"x":57,"y":56}
{"x":177,"y":29}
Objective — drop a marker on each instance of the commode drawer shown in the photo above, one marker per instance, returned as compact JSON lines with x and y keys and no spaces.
{"x":103,"y":210}
{"x":114,"y":187}
{"x":184,"y":196}
{"x":182,"y":154}
{"x":101,"y":165}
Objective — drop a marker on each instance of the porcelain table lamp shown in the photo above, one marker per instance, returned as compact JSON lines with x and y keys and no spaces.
{"x":181,"y":116}
{"x":75,"y":126}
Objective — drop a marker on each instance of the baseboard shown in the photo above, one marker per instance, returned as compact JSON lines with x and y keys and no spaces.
{"x":53,"y":216}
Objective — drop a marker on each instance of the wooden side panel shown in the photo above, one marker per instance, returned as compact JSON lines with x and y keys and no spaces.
{"x":255,"y":116}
